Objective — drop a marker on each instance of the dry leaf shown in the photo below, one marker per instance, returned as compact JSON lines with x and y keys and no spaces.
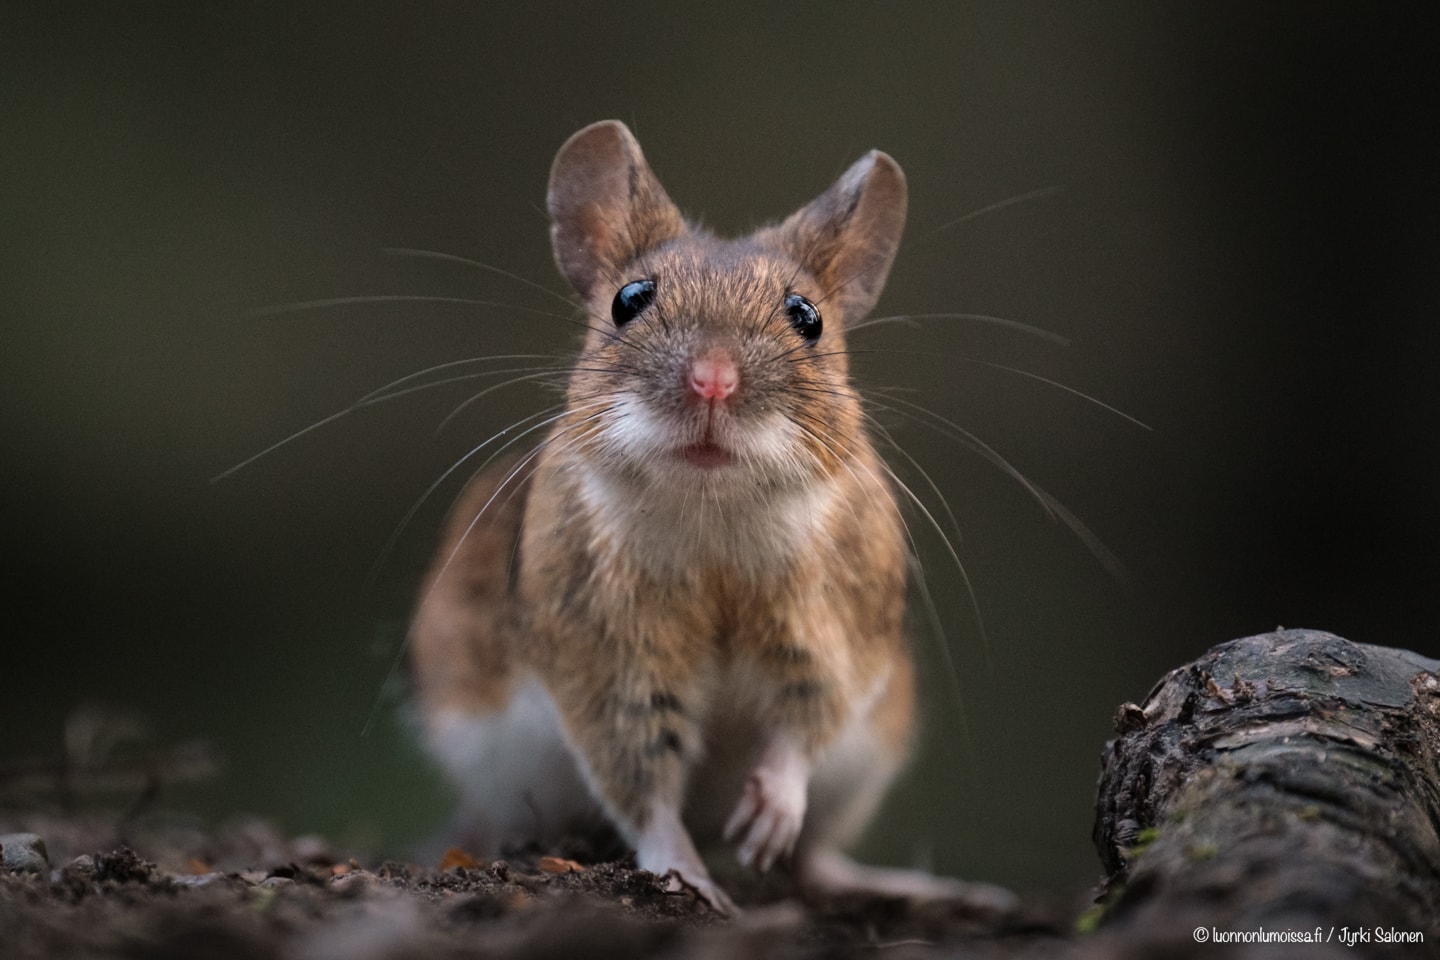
{"x":559,"y":865}
{"x":457,"y":859}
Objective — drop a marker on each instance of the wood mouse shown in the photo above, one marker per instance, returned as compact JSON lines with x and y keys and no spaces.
{"x":684,"y":613}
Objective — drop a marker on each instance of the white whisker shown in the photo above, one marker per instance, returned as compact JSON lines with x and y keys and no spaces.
{"x":453,"y":258}
{"x":452,"y":364}
{"x":1000,"y":205}
{"x":1059,"y":386}
{"x":438,"y":572}
{"x":542,"y":422}
{"x":914,"y":318}
{"x":377,"y":396}
{"x":327,"y":302}
{"x":914,"y":499}
{"x":1053,"y":507}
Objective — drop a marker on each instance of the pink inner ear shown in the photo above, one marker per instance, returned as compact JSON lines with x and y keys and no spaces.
{"x":595,"y":231}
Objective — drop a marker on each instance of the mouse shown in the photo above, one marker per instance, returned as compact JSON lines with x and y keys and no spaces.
{"x":682,"y":616}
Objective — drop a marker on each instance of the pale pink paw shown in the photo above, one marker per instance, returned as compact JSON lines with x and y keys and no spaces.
{"x":664,"y":848}
{"x":771,"y":810}
{"x":703,"y":887}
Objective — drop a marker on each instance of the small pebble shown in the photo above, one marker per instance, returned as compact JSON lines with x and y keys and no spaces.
{"x":353,"y":882}
{"x":311,"y":849}
{"x":197,"y":879}
{"x":23,"y":853}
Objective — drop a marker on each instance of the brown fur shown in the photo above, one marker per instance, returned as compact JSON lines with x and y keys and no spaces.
{"x":464,"y":627}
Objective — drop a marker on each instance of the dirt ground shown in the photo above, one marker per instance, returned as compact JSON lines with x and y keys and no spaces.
{"x":161,"y":888}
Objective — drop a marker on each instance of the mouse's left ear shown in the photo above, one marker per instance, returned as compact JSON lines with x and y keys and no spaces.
{"x":606,"y":206}
{"x":848,"y":236}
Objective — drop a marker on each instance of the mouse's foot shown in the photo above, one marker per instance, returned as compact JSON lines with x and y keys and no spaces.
{"x":771,"y":810}
{"x":665,"y":849}
{"x":832,"y":872}
{"x":703,"y":887}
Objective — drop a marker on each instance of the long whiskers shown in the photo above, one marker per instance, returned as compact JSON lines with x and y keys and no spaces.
{"x":1059,"y":386}
{"x":952,"y":430}
{"x":536,"y":421}
{"x":541,"y":374}
{"x":1026,"y":328}
{"x":525,"y":463}
{"x":810,"y":425}
{"x":993,"y":366}
{"x":998,"y":205}
{"x":299,"y":306}
{"x":889,"y":438}
{"x":387,"y":393}
{"x":380,"y":392}
{"x":466,"y":261}
{"x":323,"y":303}
{"x":1053,"y":507}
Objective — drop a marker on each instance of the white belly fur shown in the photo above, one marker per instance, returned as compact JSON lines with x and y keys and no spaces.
{"x":516,"y":776}
{"x":518,"y":779}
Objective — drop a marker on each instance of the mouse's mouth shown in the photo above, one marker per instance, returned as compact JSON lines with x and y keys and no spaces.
{"x":707,"y":455}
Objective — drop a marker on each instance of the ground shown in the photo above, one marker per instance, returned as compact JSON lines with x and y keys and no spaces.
{"x":157,"y":888}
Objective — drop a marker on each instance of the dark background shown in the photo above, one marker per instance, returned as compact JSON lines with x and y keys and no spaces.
{"x":1242,"y":250}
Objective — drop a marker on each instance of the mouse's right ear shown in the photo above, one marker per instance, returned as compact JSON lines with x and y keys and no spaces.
{"x":606,"y":206}
{"x":848,"y":236}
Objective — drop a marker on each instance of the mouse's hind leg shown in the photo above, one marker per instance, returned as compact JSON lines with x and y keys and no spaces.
{"x":829,"y":870}
{"x":489,"y":722}
{"x":846,"y":790}
{"x":516,"y":780}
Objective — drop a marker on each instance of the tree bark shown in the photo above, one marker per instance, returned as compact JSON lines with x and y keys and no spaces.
{"x":1289,"y":783}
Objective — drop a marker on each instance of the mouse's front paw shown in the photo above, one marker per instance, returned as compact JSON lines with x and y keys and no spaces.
{"x":705,"y":888}
{"x":666,"y":850}
{"x":771,"y":810}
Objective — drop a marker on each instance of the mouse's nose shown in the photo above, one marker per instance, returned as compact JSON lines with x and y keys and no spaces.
{"x":714,"y":375}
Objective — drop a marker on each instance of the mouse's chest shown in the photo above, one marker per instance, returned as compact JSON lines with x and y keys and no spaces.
{"x":697,"y":532}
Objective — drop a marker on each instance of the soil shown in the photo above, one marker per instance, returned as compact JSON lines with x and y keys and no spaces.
{"x":161,"y":888}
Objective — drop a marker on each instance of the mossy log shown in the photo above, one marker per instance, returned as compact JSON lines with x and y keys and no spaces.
{"x":1287,"y":782}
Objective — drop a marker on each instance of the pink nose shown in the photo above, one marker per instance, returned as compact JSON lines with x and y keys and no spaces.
{"x":714,"y":376}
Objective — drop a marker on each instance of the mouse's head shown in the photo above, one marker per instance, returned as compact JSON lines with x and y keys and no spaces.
{"x":716,"y":361}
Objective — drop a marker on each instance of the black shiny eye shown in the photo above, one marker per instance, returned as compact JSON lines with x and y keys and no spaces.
{"x":803,"y":317}
{"x":630,"y":300}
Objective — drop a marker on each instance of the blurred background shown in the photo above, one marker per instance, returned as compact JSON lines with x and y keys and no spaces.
{"x":1227,"y":210}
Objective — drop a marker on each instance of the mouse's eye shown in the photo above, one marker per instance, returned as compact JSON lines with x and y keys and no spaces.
{"x":630,"y":300}
{"x":803,"y":317}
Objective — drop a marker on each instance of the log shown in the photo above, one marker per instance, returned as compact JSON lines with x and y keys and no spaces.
{"x":1283,"y":783}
